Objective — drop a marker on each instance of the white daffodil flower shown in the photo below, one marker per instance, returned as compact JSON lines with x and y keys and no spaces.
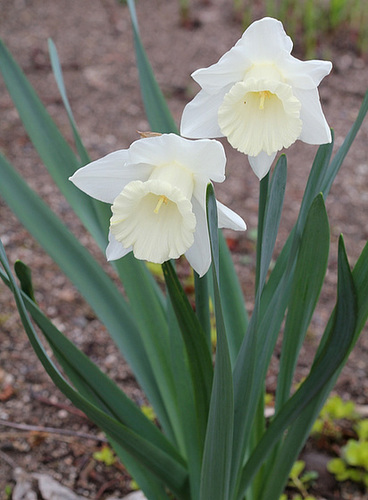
{"x":260,"y":97}
{"x":157,"y":189}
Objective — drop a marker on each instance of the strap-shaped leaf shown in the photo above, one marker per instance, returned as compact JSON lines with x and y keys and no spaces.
{"x":97,"y":386}
{"x":219,"y":438}
{"x":192,"y":442}
{"x":250,"y":367}
{"x":272,"y":216}
{"x":232,"y":300}
{"x":202,"y":304}
{"x":308,"y":278}
{"x":299,"y":431}
{"x":198,"y":353}
{"x":139,"y":286}
{"x":56,"y":68}
{"x":50,"y":144}
{"x":24,"y":275}
{"x":61,"y":162}
{"x":157,"y":111}
{"x":337,"y":346}
{"x":96,"y":287}
{"x":168,"y":469}
{"x":320,"y":180}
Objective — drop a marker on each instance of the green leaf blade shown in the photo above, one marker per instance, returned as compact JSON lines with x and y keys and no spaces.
{"x":157,"y":111}
{"x":327,"y":363}
{"x":216,"y":467}
{"x":308,"y":278}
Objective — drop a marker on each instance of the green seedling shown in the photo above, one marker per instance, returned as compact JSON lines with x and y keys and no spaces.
{"x":8,"y":491}
{"x":353,"y":463}
{"x":301,"y":480}
{"x":105,"y":455}
{"x":334,"y":410}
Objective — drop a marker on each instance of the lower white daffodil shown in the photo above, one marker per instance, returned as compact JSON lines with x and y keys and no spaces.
{"x":260,"y":97}
{"x":157,"y":189}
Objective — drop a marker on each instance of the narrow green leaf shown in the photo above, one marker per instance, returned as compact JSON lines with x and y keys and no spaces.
{"x":308,"y":278}
{"x":299,"y":431}
{"x":218,"y":445}
{"x":95,"y":385}
{"x":252,"y":362}
{"x":101,"y":210}
{"x":139,"y":286}
{"x":24,"y":275}
{"x":202,"y":304}
{"x":61,"y":162}
{"x":151,"y":320}
{"x":185,"y":400}
{"x":198,"y":353}
{"x":272,"y":216}
{"x":320,"y":180}
{"x":56,"y":68}
{"x":232,"y":300}
{"x":262,"y":199}
{"x":323,"y":370}
{"x":53,"y":149}
{"x":85,"y":273}
{"x":167,"y":469}
{"x":148,"y":483}
{"x":157,"y":111}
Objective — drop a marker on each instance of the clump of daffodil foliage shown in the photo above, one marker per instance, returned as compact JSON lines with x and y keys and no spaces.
{"x":353,"y":463}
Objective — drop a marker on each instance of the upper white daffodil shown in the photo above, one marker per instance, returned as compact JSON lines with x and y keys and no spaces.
{"x":157,"y":189}
{"x":260,"y":97}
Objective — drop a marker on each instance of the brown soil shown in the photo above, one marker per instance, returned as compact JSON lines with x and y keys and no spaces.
{"x":95,"y":46}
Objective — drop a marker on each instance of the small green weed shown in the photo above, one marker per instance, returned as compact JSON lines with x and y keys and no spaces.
{"x":353,"y":463}
{"x":300,"y":481}
{"x":105,"y":455}
{"x":335,"y":409}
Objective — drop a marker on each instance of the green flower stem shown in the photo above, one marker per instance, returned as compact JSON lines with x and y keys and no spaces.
{"x":263,"y":192}
{"x":202,"y":304}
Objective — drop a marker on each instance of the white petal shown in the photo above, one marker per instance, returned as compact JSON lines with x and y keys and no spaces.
{"x":261,"y":163}
{"x":303,"y":74}
{"x":315,"y":128}
{"x":265,"y":39}
{"x":262,"y":41}
{"x":156,"y":150}
{"x":229,"y":219}
{"x":229,"y":69}
{"x":260,"y":115}
{"x":199,"y":117}
{"x":103,"y":179}
{"x":115,"y":249}
{"x":199,"y":254}
{"x":155,"y":219}
{"x":205,"y":157}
